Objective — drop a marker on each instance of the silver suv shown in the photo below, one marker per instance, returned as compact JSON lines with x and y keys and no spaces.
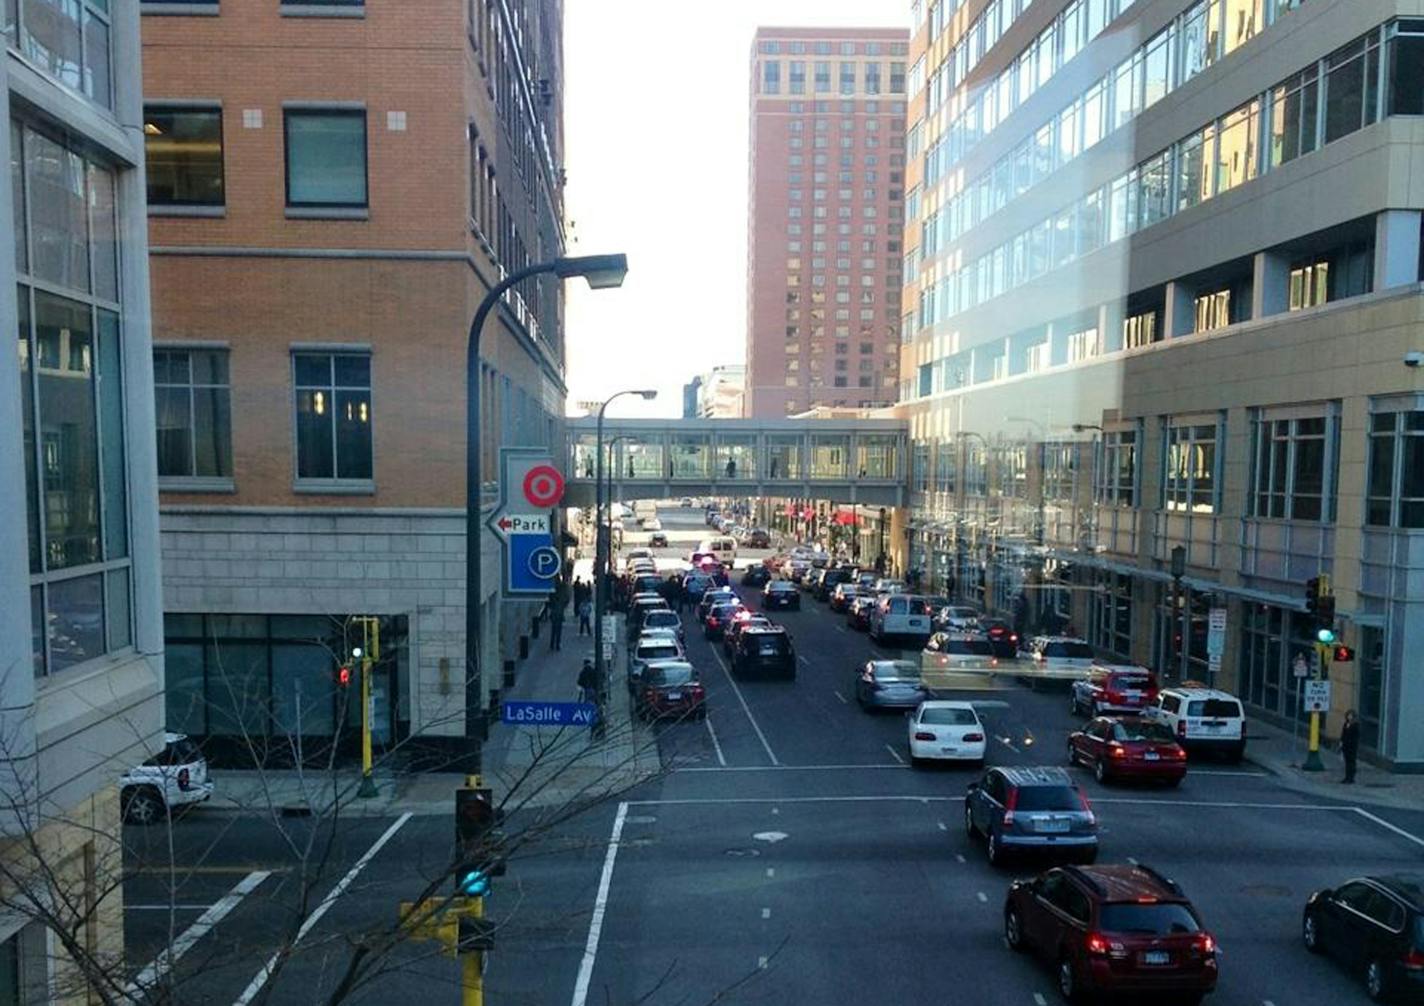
{"x":1031,"y":809}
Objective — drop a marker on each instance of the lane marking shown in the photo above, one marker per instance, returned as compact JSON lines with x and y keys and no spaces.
{"x":771,"y":871}
{"x":1267,"y":1002}
{"x":721,"y":759}
{"x":803,"y":660}
{"x":942,"y":826}
{"x":908,"y":798}
{"x":878,"y":766}
{"x":1387,"y":826}
{"x":959,"y":857}
{"x":983,"y":898}
{"x":215,"y":913}
{"x":766,"y":913}
{"x":1008,"y":744}
{"x":1229,"y":772}
{"x":600,"y":905}
{"x":255,"y":986}
{"x":1132,"y":860}
{"x":839,"y":696}
{"x":167,"y":908}
{"x":761,"y":963}
{"x":746,"y":708}
{"x":840,"y":628}
{"x":894,"y":754}
{"x":1040,"y":1001}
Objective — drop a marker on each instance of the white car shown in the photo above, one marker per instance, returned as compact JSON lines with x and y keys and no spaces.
{"x":175,"y":777}
{"x":945,"y":730}
{"x":652,"y":524}
{"x":660,"y":644}
{"x":957,"y":618}
{"x":1203,"y":719}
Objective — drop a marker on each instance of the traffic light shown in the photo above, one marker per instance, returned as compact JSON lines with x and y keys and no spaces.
{"x":1342,"y":655}
{"x":476,"y":841}
{"x":1325,"y":615}
{"x":1312,"y":599}
{"x":343,"y":676}
{"x":471,"y":881}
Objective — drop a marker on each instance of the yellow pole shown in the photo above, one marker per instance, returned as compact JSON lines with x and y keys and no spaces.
{"x":472,"y":965}
{"x":370,"y":652}
{"x":1312,"y":761}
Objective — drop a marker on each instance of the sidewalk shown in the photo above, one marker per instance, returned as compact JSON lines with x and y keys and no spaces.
{"x":1279,"y":752}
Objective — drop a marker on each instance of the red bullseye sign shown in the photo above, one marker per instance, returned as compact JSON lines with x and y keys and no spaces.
{"x":543,"y":486}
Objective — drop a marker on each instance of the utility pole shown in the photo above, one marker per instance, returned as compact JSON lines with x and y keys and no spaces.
{"x":369,"y":653}
{"x":1320,"y":606}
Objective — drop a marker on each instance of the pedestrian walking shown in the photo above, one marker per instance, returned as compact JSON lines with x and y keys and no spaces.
{"x":585,"y":617}
{"x":588,"y":682}
{"x":1350,"y":744}
{"x":556,"y":604}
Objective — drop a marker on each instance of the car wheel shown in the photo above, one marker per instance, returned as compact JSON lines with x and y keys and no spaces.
{"x":1099,"y":772}
{"x":1376,"y":986}
{"x":1068,"y":981}
{"x":1310,"y":933}
{"x":969,"y":828}
{"x":995,"y":850}
{"x":1013,"y":930}
{"x":142,"y":805}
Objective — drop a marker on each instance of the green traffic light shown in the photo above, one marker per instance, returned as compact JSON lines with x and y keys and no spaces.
{"x":473,"y":883}
{"x":1325,"y":635}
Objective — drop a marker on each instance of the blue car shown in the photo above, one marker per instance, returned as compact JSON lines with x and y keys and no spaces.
{"x":1031,"y":809}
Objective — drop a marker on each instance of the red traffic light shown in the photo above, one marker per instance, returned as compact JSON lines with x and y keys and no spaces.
{"x":1342,"y":655}
{"x":343,"y":676}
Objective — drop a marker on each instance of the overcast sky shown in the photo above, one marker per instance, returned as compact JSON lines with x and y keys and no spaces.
{"x":655,"y":122}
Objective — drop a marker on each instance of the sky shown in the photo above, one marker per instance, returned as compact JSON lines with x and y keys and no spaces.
{"x":655,"y":126}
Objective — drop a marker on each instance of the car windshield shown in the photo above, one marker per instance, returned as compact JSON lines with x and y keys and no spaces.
{"x":967,"y":647}
{"x":951,"y":717}
{"x":1161,"y":919}
{"x":1214,"y":708}
{"x":895,"y":670}
{"x":659,"y":617}
{"x":1076,"y":651}
{"x":1048,"y":798}
{"x":771,"y":644}
{"x":658,"y":651}
{"x":662,"y":677}
{"x":777,"y":586}
{"x":1129,"y":681}
{"x":1142,"y":731}
{"x":723,"y":610}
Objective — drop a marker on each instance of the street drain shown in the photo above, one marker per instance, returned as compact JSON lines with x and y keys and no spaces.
{"x":744,"y":852}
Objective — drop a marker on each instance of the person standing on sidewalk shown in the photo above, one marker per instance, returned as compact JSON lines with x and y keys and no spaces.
{"x":558,"y":601}
{"x":588,"y":682}
{"x":1350,"y":744}
{"x":585,"y":616}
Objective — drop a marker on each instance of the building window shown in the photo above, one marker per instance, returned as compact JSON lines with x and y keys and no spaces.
{"x":823,"y":78}
{"x":1084,"y":345}
{"x":1189,"y":478}
{"x":1213,"y":310}
{"x":183,"y":148}
{"x":1060,"y":468}
{"x":67,"y":39}
{"x":1115,"y":476}
{"x":1139,"y":330}
{"x":333,"y":416}
{"x":1111,"y":619}
{"x":326,"y":157}
{"x":1395,"y":494}
{"x":193,"y":401}
{"x":771,"y":77}
{"x":797,"y":82}
{"x":1293,"y":463}
{"x":946,"y":469}
{"x":1309,"y":285}
{"x":847,"y":78}
{"x":1294,"y":106}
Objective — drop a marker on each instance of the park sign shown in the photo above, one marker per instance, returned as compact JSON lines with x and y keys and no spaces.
{"x":530,"y":486}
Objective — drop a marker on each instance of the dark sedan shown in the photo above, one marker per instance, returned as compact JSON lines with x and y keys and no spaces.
{"x":858,"y":612}
{"x":756,"y":576}
{"x":1002,"y":638}
{"x":890,"y":684}
{"x":718,"y":617}
{"x":758,"y":538}
{"x":670,"y":688}
{"x":780,"y":594}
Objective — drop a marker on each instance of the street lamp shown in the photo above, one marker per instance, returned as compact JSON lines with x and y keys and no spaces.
{"x":602,"y":272}
{"x":600,"y":549}
{"x":1081,"y":427}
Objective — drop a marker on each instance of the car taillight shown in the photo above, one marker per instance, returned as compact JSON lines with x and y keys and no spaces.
{"x":1181,"y":728}
{"x":1087,"y":807}
{"x":712,"y":621}
{"x":1413,"y":959}
{"x":973,"y":738}
{"x":1096,"y":943}
{"x":1116,"y":750}
{"x":1010,"y":803}
{"x":922,"y":735}
{"x":1204,"y":943}
{"x":184,"y":779}
{"x":698,"y":691}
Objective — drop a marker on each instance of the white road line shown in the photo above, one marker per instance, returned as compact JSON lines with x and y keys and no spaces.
{"x":983,"y":898}
{"x":959,"y":857}
{"x":255,"y":986}
{"x":167,"y":908}
{"x":746,"y":708}
{"x":766,"y":913}
{"x":600,"y":905}
{"x":942,"y":826}
{"x":771,"y":871}
{"x":804,"y":660}
{"x":1387,"y":826}
{"x":1132,"y":860}
{"x":215,"y":913}
{"x":1267,"y":1002}
{"x":894,"y":754}
{"x":879,"y":766}
{"x":1007,"y":743}
{"x":1230,"y":772}
{"x":1038,"y":999}
{"x":721,"y":759}
{"x":839,"y":696}
{"x":761,"y":963}
{"x":840,"y":628}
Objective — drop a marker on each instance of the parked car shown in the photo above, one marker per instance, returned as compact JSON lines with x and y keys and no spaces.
{"x":811,"y":580}
{"x":830,"y":580}
{"x":685,"y":502}
{"x":959,"y":651}
{"x":1202,"y":719}
{"x":842,"y":595}
{"x":1113,"y":930}
{"x":756,"y":576}
{"x":794,"y":569}
{"x":175,"y":778}
{"x":943,"y":730}
{"x":717,"y":618}
{"x":1128,"y":748}
{"x":1375,"y":927}
{"x":885,"y":585}
{"x":1114,"y":688}
{"x":717,"y":595}
{"x":1036,"y":809}
{"x":764,"y":649}
{"x":858,"y":612}
{"x":780,"y":594}
{"x":1059,"y":656}
{"x":660,"y":618}
{"x":647,"y":649}
{"x":1001,"y":636}
{"x":901,"y":617}
{"x":671,"y":688}
{"x":957,"y":617}
{"x":889,"y":684}
{"x":758,"y":537}
{"x":658,"y":539}
{"x":639,"y":609}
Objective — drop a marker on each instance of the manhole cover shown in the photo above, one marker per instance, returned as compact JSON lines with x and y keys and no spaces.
{"x":1267,"y":890}
{"x":744,"y":852}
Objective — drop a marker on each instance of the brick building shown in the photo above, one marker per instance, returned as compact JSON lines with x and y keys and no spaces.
{"x":322,"y":227}
{"x":825,"y":216}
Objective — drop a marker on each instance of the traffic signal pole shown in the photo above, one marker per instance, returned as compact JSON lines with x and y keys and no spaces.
{"x":370,"y":653}
{"x":472,"y":965}
{"x":1320,"y":605}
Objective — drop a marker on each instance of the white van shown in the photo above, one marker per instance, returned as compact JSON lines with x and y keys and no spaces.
{"x":900,"y":616}
{"x":724,"y":547}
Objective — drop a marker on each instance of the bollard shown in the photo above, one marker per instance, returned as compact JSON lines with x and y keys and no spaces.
{"x":508,"y":674}
{"x":524,"y":647}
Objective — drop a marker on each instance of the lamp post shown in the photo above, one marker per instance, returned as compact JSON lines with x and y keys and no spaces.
{"x":602,"y":272}
{"x":600,"y":539}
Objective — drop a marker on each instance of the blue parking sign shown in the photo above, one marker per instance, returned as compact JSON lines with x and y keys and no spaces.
{"x":534,"y":564}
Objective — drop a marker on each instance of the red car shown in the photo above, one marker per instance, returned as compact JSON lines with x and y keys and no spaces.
{"x":718,"y":617}
{"x":1115,"y":688}
{"x":1128,"y":748}
{"x":1112,"y":929}
{"x":670,"y":689}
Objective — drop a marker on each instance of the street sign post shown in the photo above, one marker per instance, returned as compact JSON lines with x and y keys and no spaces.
{"x":530,"y":486}
{"x":1315,"y":697}
{"x":1300,"y":667}
{"x":549,"y":714}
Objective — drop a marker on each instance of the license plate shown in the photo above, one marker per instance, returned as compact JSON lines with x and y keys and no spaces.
{"x":1134,"y":696}
{"x":949,"y":750}
{"x":1156,"y":957}
{"x":1051,"y":825}
{"x":1152,"y":756}
{"x":674,"y":696}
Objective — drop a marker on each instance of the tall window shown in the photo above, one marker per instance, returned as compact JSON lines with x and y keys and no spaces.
{"x":192,"y":399}
{"x":847,"y":78}
{"x":333,"y":416}
{"x":945,"y":467}
{"x":823,"y":77}
{"x":1110,"y":625}
{"x":71,"y":401}
{"x":1395,"y":497}
{"x":1060,"y":464}
{"x":920,"y":461}
{"x":1139,"y":330}
{"x":1213,"y":310}
{"x":1293,"y":462}
{"x":872,"y":78}
{"x":67,"y":39}
{"x":1309,"y":285}
{"x":771,"y":77}
{"x":1189,"y":482}
{"x":1115,"y":477}
{"x":183,"y":148}
{"x":326,"y":158}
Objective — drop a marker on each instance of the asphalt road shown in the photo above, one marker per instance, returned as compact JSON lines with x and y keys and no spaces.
{"x":789,"y":856}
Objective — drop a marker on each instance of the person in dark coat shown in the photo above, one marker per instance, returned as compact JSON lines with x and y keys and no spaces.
{"x":1350,"y":744}
{"x":588,"y":682}
{"x":558,"y":601}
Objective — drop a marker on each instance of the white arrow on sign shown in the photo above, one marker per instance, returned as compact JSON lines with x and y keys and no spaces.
{"x":771,"y":836}
{"x":506,"y":524}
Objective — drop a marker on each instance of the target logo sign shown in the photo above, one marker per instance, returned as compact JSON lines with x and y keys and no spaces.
{"x":543,"y":486}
